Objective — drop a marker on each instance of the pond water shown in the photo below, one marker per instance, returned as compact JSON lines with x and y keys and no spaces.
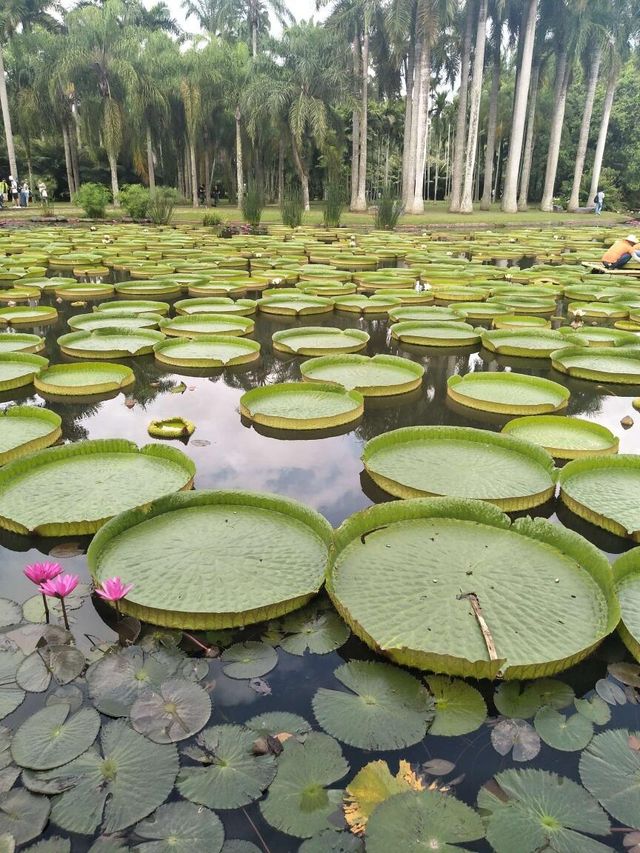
{"x":327,"y":474}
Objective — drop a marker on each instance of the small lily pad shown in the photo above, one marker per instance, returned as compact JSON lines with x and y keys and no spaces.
{"x":371,"y":786}
{"x":33,"y":674}
{"x":386,"y":707}
{"x":279,"y":722}
{"x":330,"y":841}
{"x":625,"y":673}
{"x":181,"y":828}
{"x":175,"y":711}
{"x":612,"y":693}
{"x":610,"y":769}
{"x":50,"y":845}
{"x":23,"y":815}
{"x":460,"y":708}
{"x":516,"y":735}
{"x":250,"y":659}
{"x":231,"y":775}
{"x":513,"y":699}
{"x":11,"y":695}
{"x":318,"y":630}
{"x":595,"y":709}
{"x":568,"y":734}
{"x":51,"y":737}
{"x":10,"y":612}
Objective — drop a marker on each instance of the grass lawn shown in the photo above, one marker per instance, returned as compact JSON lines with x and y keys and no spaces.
{"x":436,"y":215}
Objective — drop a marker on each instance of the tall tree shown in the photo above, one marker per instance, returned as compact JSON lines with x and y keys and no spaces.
{"x":497,"y":22}
{"x":475,"y":97}
{"x":461,"y":119}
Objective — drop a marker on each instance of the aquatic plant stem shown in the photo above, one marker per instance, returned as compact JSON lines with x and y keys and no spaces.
{"x":265,"y":846}
{"x":47,"y":615}
{"x":64,"y":613}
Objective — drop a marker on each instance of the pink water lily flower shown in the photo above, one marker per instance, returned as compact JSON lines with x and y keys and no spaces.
{"x":60,"y":586}
{"x":113,"y":589}
{"x":41,"y":572}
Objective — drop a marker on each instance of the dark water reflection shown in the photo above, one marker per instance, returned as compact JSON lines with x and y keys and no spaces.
{"x":327,"y":474}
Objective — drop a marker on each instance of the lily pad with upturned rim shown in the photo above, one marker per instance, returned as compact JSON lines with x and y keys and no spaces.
{"x":113,"y":319}
{"x":424,"y":314}
{"x":319,"y":340}
{"x":109,"y":343}
{"x":618,"y":365}
{"x":207,"y":351}
{"x":180,"y":828}
{"x":215,"y":305}
{"x":564,"y":437}
{"x":47,"y":492}
{"x":24,"y":429}
{"x":18,"y":369}
{"x":433,"y":334}
{"x":20,"y":342}
{"x":508,"y":393}
{"x":297,"y":305}
{"x":27,"y":315}
{"x":302,"y":405}
{"x":90,"y":378}
{"x":133,"y":307}
{"x":278,"y":549}
{"x":429,"y":461}
{"x":171,"y":428}
{"x":196,"y":325}
{"x":360,"y":304}
{"x":626,"y":573}
{"x":376,"y":376}
{"x":524,"y":343}
{"x":520,"y":321}
{"x":598,"y":336}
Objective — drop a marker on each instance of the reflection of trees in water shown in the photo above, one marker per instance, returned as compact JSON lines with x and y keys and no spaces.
{"x":151,"y":379}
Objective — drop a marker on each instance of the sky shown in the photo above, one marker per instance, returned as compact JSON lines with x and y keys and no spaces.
{"x":301,"y":9}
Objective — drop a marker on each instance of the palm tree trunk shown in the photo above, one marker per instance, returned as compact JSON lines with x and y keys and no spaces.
{"x":6,"y":119}
{"x":527,"y":159}
{"x":303,"y":175}
{"x":361,"y":197}
{"x":239,"y":163}
{"x":207,"y":172}
{"x":150,"y":164}
{"x":355,"y":126}
{"x":254,"y":38}
{"x":408,"y":164}
{"x":194,"y":174}
{"x":75,"y":161}
{"x":492,"y":127}
{"x":510,"y":193}
{"x":461,"y":120}
{"x":583,"y":139}
{"x":67,"y":161}
{"x":421,"y":123}
{"x":280,"y":170}
{"x":475,"y":97}
{"x":113,"y":167}
{"x":604,"y":130}
{"x":563,"y":76}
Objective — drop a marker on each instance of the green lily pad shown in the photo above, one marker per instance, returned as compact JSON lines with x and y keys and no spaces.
{"x":176,"y":710}
{"x":360,"y":304}
{"x":626,"y":572}
{"x":33,"y":608}
{"x":524,"y":343}
{"x":316,"y":629}
{"x":108,"y":845}
{"x":512,"y":699}
{"x":20,"y":342}
{"x":278,"y":549}
{"x":133,"y":307}
{"x":598,"y":336}
{"x":564,"y":437}
{"x":114,"y":786}
{"x":379,"y":376}
{"x":568,"y":734}
{"x":18,"y":369}
{"x":424,"y":314}
{"x":171,"y":428}
{"x":319,"y":340}
{"x":181,"y":828}
{"x":508,"y":393}
{"x":433,"y":334}
{"x":148,"y":288}
{"x":51,"y":845}
{"x":594,"y":709}
{"x":386,"y":708}
{"x":248,"y":659}
{"x":295,"y":304}
{"x":532,"y":810}
{"x":215,"y":305}
{"x":238,"y":845}
{"x":332,"y":841}
{"x":470,"y":556}
{"x":113,"y":320}
{"x":609,"y":769}
{"x":195,"y":325}
{"x":231,"y":775}
{"x":23,"y":815}
{"x":427,"y":461}
{"x":47,"y":492}
{"x":459,"y":707}
{"x":109,"y":343}
{"x":602,"y":364}
{"x":24,"y":429}
{"x":207,"y":351}
{"x":299,"y":801}
{"x":84,"y":380}
{"x":279,"y":722}
{"x":27,"y":315}
{"x":302,"y":405}
{"x":11,"y":695}
{"x":51,"y":737}
{"x":419,"y":820}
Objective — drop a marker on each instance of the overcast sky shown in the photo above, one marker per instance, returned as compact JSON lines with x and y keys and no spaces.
{"x":301,"y":9}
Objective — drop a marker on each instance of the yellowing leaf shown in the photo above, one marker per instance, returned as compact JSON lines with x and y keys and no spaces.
{"x":373,"y":785}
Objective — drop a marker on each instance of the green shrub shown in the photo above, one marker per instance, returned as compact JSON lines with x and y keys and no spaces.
{"x":162,"y":202}
{"x":212,"y":220}
{"x":334,"y":203}
{"x":292,"y":207}
{"x":252,"y":206}
{"x":135,"y":199}
{"x":390,"y":209}
{"x":93,"y":199}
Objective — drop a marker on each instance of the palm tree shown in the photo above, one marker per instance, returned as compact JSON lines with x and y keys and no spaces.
{"x":461,"y":121}
{"x":497,"y":8}
{"x":529,"y":142}
{"x":475,"y":97}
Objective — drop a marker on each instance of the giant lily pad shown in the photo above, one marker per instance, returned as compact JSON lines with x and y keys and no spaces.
{"x":385,"y":709}
{"x":109,"y":343}
{"x":609,"y":769}
{"x":319,"y":340}
{"x":424,"y":314}
{"x":24,"y":429}
{"x":480,"y":575}
{"x":20,"y":342}
{"x":605,"y":491}
{"x":80,"y":380}
{"x":176,"y":710}
{"x":360,"y":304}
{"x":432,"y":334}
{"x":379,"y":376}
{"x":459,"y":707}
{"x":75,"y":488}
{"x":431,"y":461}
{"x":600,"y":310}
{"x":180,"y":828}
{"x":114,"y":320}
{"x":27,"y":315}
{"x":302,"y":405}
{"x":231,"y":774}
{"x":603,"y":364}
{"x":216,"y":305}
{"x":207,"y":351}
{"x":115,"y":785}
{"x":421,"y":820}
{"x":196,"y":325}
{"x":507,"y":393}
{"x":296,"y":305}
{"x":18,"y":369}
{"x":84,"y":290}
{"x":517,"y":321}
{"x":300,"y":802}
{"x":156,"y":287}
{"x":23,"y":815}
{"x":598,"y":336}
{"x":51,"y":737}
{"x":532,"y":810}
{"x":133,"y":307}
{"x":626,"y":572}
{"x":525,"y":343}
{"x":278,"y":549}
{"x":564,"y":437}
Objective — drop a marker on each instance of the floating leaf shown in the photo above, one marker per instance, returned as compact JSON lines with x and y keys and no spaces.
{"x":373,"y":785}
{"x":249,"y":659}
{"x":316,"y":629}
{"x":330,"y":841}
{"x":108,"y":845}
{"x":299,"y":802}
{"x":10,"y":612}
{"x":386,"y":709}
{"x":459,"y":707}
{"x":117,"y":785}
{"x":279,"y":722}
{"x":595,"y":709}
{"x":181,"y":827}
{"x":568,"y":734}
{"x":23,"y":815}
{"x":626,"y":673}
{"x":419,"y":820}
{"x":610,"y":769}
{"x":51,"y":845}
{"x":51,"y":737}
{"x":68,"y":694}
{"x":533,"y":810}
{"x":8,"y":778}
{"x":11,"y":695}
{"x":512,"y":699}
{"x":232,"y":776}
{"x":438,"y":767}
{"x":175,"y":711}
{"x":238,"y":845}
{"x":7,"y":843}
{"x":610,"y":692}
{"x":33,"y":674}
{"x":33,"y":608}
{"x":516,"y":735}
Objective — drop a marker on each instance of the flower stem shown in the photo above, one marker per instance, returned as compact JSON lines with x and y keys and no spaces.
{"x":46,"y":608}
{"x":64,"y":613}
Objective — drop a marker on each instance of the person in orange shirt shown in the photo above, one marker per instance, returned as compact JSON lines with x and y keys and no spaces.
{"x":622,"y":251}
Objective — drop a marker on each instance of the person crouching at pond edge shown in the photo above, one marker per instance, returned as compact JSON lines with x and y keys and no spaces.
{"x":622,"y":251}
